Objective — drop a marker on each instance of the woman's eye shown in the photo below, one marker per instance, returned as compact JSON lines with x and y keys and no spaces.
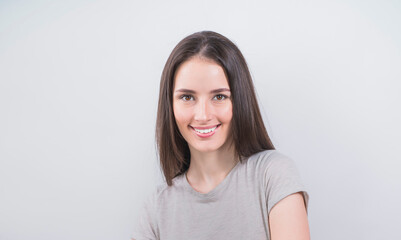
{"x":186,"y":97}
{"x":220,"y":97}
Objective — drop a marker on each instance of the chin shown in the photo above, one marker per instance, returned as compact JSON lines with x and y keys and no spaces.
{"x":206,"y":149}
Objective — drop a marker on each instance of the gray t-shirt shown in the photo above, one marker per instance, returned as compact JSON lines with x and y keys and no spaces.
{"x":238,"y":208}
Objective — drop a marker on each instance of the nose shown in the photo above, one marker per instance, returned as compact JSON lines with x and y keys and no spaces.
{"x":202,"y":111}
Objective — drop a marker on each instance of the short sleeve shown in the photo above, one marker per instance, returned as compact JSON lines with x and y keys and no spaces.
{"x":281,"y":179}
{"x":146,"y":227}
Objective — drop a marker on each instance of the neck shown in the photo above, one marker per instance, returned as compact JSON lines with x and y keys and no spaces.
{"x":210,"y":168}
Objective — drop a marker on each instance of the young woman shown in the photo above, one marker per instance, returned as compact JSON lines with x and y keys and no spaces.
{"x":224,"y":179}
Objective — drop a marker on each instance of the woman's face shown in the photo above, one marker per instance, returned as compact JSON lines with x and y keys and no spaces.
{"x":202,"y":104}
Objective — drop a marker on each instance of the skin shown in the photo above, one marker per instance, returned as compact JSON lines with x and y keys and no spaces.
{"x":201,"y":98}
{"x":288,"y":219}
{"x":213,"y":158}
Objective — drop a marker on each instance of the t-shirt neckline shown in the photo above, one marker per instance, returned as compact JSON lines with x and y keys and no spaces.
{"x":215,"y":190}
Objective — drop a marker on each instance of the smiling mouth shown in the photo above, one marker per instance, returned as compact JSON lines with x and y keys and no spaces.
{"x":205,"y":131}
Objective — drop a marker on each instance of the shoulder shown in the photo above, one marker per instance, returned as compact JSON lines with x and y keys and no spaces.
{"x":279,"y":176}
{"x":272,"y":164}
{"x":269,"y":160}
{"x":163,"y":192}
{"x":155,"y":202}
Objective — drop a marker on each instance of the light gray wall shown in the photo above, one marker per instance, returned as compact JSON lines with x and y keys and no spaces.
{"x":78,"y":93}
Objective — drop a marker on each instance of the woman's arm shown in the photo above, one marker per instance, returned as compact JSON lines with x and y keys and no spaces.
{"x":288,"y":219}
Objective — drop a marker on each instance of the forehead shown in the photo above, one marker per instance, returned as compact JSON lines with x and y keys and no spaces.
{"x":200,"y":74}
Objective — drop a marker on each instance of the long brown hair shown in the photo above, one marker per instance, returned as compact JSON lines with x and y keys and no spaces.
{"x":248,"y":131}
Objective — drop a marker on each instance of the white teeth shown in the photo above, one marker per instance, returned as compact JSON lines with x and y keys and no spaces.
{"x":205,"y":130}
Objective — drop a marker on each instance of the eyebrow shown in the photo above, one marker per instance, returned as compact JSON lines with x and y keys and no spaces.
{"x":218,"y":90}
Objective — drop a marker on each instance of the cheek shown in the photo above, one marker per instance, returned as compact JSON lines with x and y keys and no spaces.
{"x":226,"y":113}
{"x":182,"y":115}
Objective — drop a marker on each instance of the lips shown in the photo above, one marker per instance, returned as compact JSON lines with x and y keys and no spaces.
{"x":208,"y":127}
{"x":205,"y":133}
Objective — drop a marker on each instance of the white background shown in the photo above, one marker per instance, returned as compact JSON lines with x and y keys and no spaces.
{"x":79,"y":83}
